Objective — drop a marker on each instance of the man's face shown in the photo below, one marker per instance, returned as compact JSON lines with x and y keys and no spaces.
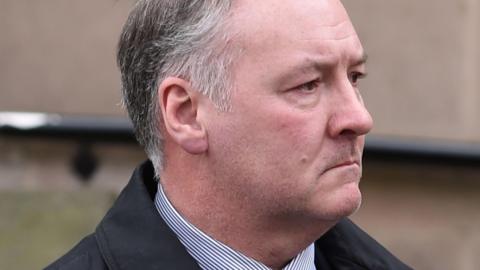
{"x":293,"y":141}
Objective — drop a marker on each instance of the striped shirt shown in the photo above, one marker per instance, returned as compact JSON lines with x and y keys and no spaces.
{"x":213,"y":255}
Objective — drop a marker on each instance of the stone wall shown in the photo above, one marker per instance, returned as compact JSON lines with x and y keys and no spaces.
{"x":59,"y":56}
{"x":424,"y":66}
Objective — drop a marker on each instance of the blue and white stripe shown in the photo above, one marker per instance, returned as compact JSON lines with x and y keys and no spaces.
{"x":213,"y":255}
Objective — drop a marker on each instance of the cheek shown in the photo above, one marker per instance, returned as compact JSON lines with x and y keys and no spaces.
{"x":300,"y":134}
{"x":268,"y":136}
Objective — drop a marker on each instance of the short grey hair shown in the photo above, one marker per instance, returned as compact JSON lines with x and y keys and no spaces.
{"x":182,"y":38}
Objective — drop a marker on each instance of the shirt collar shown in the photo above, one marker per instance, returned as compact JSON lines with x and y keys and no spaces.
{"x":212,"y":254}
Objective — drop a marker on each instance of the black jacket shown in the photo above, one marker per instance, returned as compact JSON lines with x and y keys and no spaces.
{"x":133,"y":236}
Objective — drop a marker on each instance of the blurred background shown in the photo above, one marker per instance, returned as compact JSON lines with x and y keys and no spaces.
{"x":61,"y":171}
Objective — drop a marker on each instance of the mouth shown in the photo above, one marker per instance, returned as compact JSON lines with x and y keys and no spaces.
{"x":345,"y":164}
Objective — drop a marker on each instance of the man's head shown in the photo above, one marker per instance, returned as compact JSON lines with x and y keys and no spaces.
{"x":291,"y":142}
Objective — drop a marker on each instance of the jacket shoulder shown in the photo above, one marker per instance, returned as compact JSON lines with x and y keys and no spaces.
{"x":85,"y":255}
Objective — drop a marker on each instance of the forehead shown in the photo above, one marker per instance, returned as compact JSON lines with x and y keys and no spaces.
{"x":307,"y":26}
{"x":258,"y":14}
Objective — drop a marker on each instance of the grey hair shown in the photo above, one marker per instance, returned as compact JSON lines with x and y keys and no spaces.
{"x":181,"y":38}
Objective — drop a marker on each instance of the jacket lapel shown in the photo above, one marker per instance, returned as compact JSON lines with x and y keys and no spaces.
{"x":133,"y":235}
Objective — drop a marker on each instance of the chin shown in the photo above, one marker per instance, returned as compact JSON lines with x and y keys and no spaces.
{"x":344,"y":203}
{"x":352,"y":203}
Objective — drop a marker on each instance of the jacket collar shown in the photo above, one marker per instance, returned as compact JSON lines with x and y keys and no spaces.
{"x":346,"y":246}
{"x":133,"y":235}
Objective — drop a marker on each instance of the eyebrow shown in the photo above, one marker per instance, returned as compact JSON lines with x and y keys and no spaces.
{"x":314,"y":64}
{"x":362,"y":60}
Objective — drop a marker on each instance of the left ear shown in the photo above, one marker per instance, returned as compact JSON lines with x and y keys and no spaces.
{"x":179,"y":104}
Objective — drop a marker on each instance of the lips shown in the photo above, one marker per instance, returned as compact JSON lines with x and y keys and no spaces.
{"x":345,"y":163}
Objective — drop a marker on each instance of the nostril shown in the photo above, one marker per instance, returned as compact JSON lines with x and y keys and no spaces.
{"x":348,"y":132}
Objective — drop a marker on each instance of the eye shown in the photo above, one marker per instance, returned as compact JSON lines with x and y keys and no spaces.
{"x":309,"y":86}
{"x":355,"y":76}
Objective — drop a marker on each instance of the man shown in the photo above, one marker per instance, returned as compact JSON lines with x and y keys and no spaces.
{"x":251,"y":115}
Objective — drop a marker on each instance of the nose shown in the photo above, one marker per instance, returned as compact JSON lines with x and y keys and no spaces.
{"x":350,"y":117}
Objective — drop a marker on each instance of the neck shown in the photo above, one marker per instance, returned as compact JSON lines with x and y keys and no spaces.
{"x":229,"y":218}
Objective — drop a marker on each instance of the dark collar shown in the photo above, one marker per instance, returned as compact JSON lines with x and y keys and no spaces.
{"x":133,"y":235}
{"x":349,"y":246}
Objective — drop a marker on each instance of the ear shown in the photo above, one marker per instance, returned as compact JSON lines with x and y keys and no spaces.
{"x":179,"y":104}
